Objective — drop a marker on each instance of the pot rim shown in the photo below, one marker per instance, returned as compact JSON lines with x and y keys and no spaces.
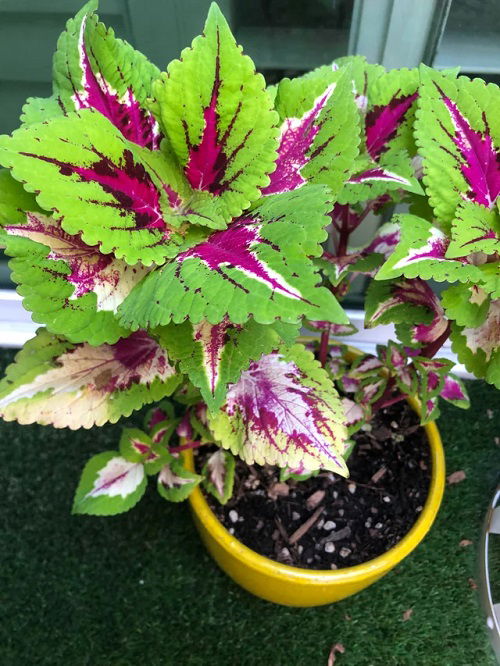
{"x":379,"y":564}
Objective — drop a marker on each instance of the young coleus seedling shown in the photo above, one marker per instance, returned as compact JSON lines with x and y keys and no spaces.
{"x":172,"y":231}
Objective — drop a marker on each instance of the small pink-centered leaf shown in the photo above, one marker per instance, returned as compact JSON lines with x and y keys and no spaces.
{"x":164,"y":411}
{"x":219,"y":475}
{"x":354,"y":413}
{"x":55,"y":382}
{"x":109,"y":485}
{"x":296,"y":139}
{"x":175,"y":482}
{"x":454,"y":391}
{"x":284,"y":410}
{"x":135,"y":445}
{"x":456,"y":477}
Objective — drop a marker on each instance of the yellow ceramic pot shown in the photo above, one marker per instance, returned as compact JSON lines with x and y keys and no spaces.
{"x":292,"y":586}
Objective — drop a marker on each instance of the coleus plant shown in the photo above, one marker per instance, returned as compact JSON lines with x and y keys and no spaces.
{"x":173,"y":231}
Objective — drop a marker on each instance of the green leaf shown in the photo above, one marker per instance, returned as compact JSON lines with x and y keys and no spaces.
{"x":70,"y":287}
{"x":213,"y":355}
{"x":219,"y":475}
{"x":55,"y":382}
{"x":259,"y":266}
{"x":421,"y":252}
{"x":411,"y":305}
{"x":319,"y":132}
{"x":128,"y":200}
{"x":14,"y":200}
{"x":478,"y":348}
{"x":458,"y":135}
{"x":218,"y":117}
{"x":285,"y":411}
{"x":109,"y":485}
{"x":474,"y":228}
{"x":467,"y":304}
{"x":175,"y":482}
{"x":490,"y":278}
{"x":372,"y":179}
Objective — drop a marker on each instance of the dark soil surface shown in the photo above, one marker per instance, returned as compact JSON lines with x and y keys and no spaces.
{"x":329,"y":522}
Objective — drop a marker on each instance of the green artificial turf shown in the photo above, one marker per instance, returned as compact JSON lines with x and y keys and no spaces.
{"x":140,"y":589}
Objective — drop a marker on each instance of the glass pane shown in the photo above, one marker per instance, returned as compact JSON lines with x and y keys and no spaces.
{"x":288,"y":37}
{"x":471,"y":38}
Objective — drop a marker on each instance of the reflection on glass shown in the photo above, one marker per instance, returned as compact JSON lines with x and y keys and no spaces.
{"x":286,"y":37}
{"x":471,"y":37}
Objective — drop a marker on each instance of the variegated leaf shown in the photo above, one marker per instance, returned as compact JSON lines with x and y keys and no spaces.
{"x":459,"y":139}
{"x":175,"y":482}
{"x":454,"y":391}
{"x":319,"y":137}
{"x":429,"y":410}
{"x":163,"y":411}
{"x":55,"y":382}
{"x":284,"y":411}
{"x":109,"y":485}
{"x":356,"y":414}
{"x":135,"y":445}
{"x":411,"y":305}
{"x":259,"y":266}
{"x":225,"y":135}
{"x":421,"y":252}
{"x":432,"y":372}
{"x":69,"y":286}
{"x":214,"y":355}
{"x":219,"y":475}
{"x":130,"y":201}
{"x":390,"y":112}
{"x":92,"y":69}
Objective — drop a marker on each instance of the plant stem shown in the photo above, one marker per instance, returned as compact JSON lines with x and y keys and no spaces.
{"x":323,"y":347}
{"x":185,"y":447}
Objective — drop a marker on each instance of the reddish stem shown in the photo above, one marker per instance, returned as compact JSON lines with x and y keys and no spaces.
{"x":185,"y":447}
{"x":323,"y":347}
